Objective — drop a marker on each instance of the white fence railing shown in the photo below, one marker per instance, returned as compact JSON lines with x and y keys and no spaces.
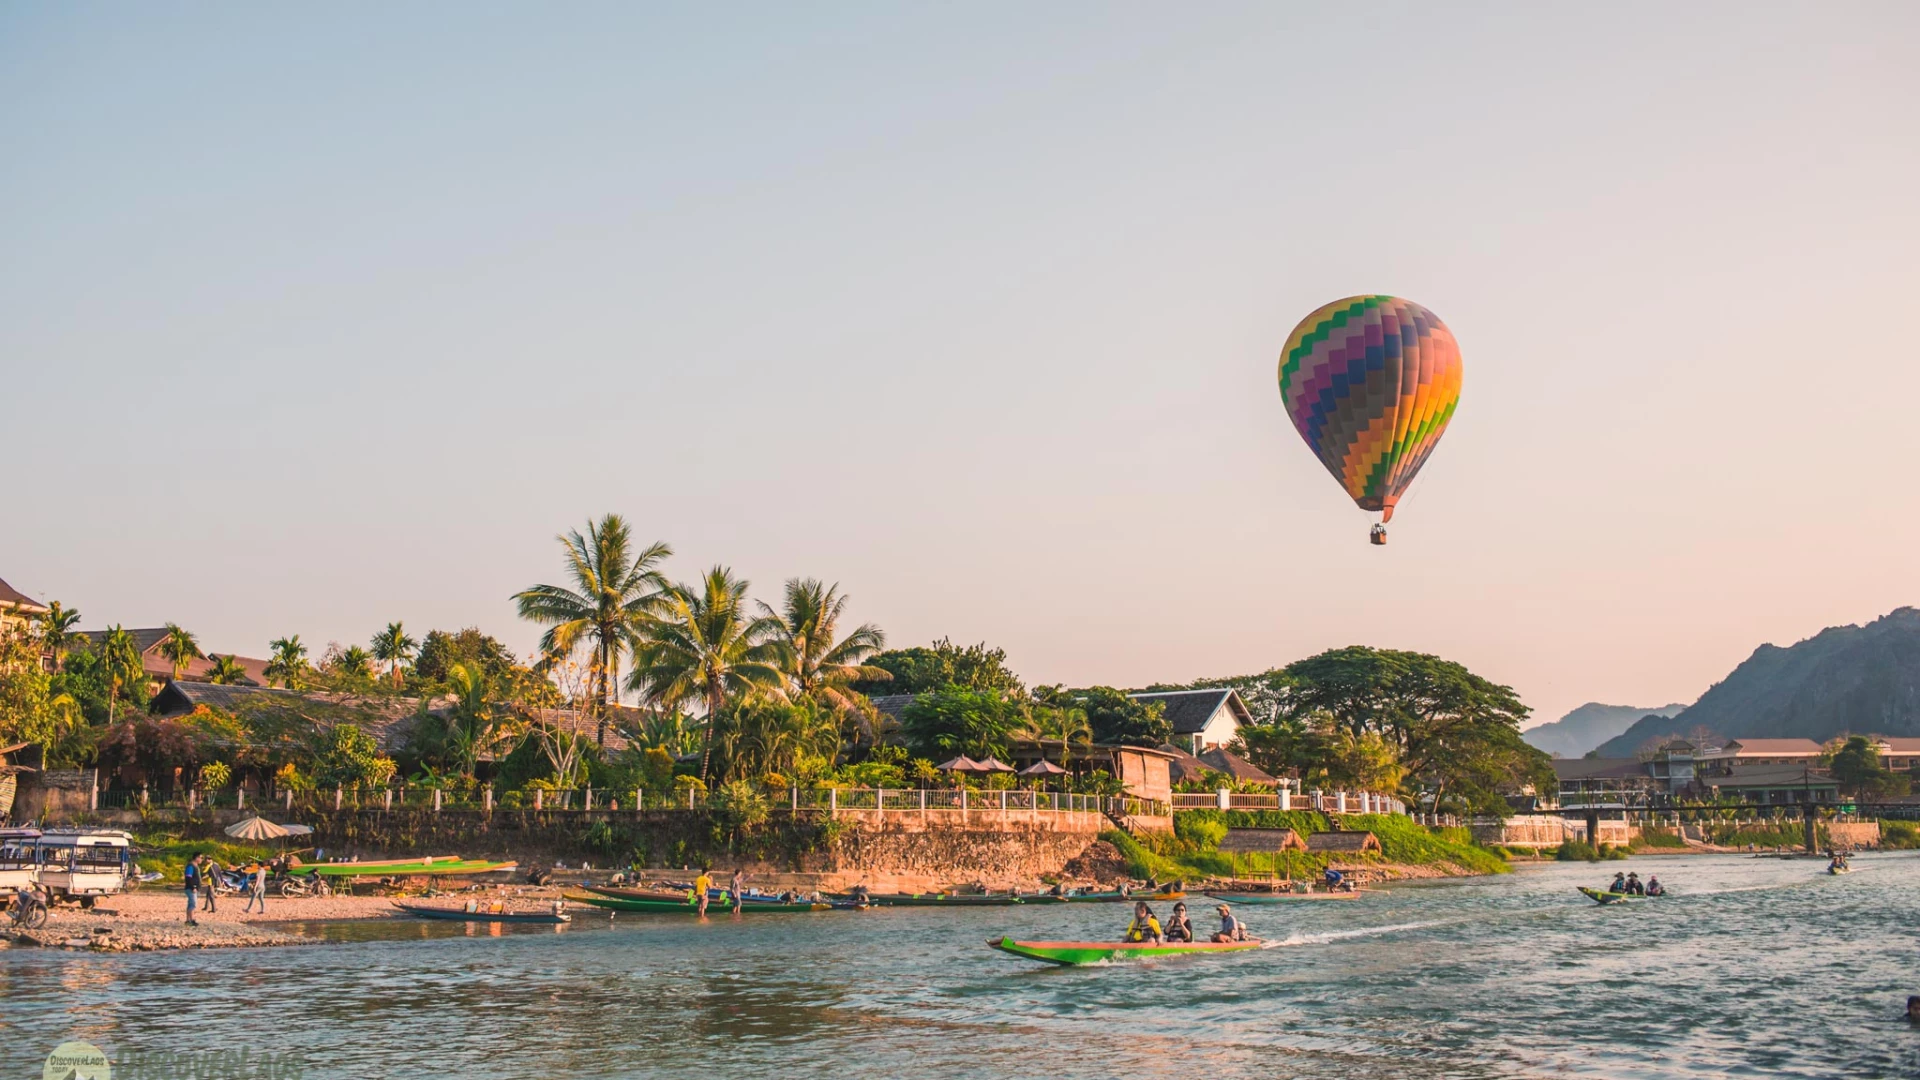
{"x":1327,"y":802}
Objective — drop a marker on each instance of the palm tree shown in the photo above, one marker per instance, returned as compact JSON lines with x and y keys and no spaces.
{"x":353,"y":661}
{"x":1065,"y":725}
{"x":617,"y":592}
{"x":121,"y":655}
{"x":393,"y":647}
{"x":225,"y":671}
{"x":815,"y":664}
{"x":57,"y":634}
{"x":475,"y":725}
{"x":704,"y":646}
{"x":289,"y":660}
{"x":180,"y":647}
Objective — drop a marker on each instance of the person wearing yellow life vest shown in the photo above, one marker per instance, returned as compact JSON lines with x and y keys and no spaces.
{"x":1144,"y":926}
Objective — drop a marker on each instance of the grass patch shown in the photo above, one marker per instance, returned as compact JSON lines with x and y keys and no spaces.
{"x":1581,"y":851}
{"x":1653,"y":837}
{"x":1192,"y":851}
{"x":168,"y":853}
{"x":1899,"y":835}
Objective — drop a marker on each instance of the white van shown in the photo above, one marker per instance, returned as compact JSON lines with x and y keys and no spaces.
{"x":19,"y":862}
{"x":84,"y":864}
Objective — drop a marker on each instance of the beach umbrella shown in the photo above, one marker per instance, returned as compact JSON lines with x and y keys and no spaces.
{"x":1043,"y":767}
{"x":994,"y":765}
{"x":255,"y":828}
{"x":963,"y":763}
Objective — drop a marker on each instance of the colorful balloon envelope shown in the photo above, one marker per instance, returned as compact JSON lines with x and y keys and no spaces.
{"x":1370,"y":383}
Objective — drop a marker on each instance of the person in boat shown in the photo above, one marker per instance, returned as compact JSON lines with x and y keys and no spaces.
{"x":1179,"y":928}
{"x":1144,"y":926}
{"x":1231,"y":928}
{"x":1333,"y":878}
{"x":1654,"y":888}
{"x":1059,"y":889}
{"x":860,"y":895}
{"x":1619,"y":883}
{"x":1634,"y":888}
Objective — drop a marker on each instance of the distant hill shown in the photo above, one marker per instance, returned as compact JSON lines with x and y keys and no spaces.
{"x":1588,"y":726}
{"x":1858,"y":679}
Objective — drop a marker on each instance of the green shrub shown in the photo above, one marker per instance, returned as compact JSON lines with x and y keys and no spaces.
{"x":1899,"y":835}
{"x":1653,"y":837}
{"x":1576,"y":851}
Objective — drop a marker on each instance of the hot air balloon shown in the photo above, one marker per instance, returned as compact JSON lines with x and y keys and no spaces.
{"x":1370,"y":383}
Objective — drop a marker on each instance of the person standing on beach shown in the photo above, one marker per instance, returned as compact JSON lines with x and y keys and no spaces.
{"x":190,"y":875}
{"x":256,"y":887}
{"x":210,"y":879}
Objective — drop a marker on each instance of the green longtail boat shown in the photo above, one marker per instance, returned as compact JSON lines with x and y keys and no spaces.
{"x":408,"y":868}
{"x":1602,"y":896}
{"x":1282,"y":897}
{"x":1095,"y":952}
{"x":684,"y":907}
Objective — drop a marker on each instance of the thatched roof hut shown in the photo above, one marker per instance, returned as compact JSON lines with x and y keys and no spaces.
{"x":1263,"y":841}
{"x":1352,"y":841}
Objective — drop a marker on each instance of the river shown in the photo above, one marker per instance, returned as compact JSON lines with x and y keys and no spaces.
{"x":1753,"y":967}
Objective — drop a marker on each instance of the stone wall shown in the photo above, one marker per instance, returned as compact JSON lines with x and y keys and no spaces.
{"x":54,"y":796}
{"x":1853,"y":834}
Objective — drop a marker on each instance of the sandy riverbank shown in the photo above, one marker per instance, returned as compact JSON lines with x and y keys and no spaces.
{"x":149,"y":919}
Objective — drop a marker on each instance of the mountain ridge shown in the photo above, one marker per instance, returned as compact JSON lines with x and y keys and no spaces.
{"x":1855,"y":679}
{"x":1589,"y":725}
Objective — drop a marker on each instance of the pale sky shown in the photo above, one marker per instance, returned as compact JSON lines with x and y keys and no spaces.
{"x":311,"y":319}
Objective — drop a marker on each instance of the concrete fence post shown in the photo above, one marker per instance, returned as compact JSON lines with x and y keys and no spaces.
{"x":143,"y":796}
{"x":486,"y":798}
{"x":190,"y":797}
{"x":436,"y":800}
{"x":289,"y":794}
{"x":1223,"y":799}
{"x":793,"y":791}
{"x":880,"y":803}
{"x":539,"y":799}
{"x":336,"y":798}
{"x":833,"y":802}
{"x":589,"y":805}
{"x":240,"y":796}
{"x":388,"y":801}
{"x":638,"y":793}
{"x":1284,"y":795}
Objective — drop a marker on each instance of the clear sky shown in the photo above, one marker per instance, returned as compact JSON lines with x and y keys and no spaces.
{"x":309,"y":322}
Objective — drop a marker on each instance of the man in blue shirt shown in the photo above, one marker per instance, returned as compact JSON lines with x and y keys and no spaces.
{"x":191,"y":876}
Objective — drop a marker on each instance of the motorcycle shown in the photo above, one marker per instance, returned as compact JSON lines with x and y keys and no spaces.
{"x":28,"y":910}
{"x":296,"y":885}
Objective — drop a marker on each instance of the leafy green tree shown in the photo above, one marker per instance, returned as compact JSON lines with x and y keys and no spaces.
{"x":83,"y":677}
{"x":705,"y":646}
{"x":120,"y":657}
{"x":617,"y":591}
{"x":1453,"y":731}
{"x":1856,"y":767}
{"x":26,"y":709}
{"x":441,"y":650}
{"x":920,"y":669}
{"x":817,"y":662}
{"x":475,"y":724}
{"x":955,"y":720}
{"x":225,"y":671}
{"x":289,"y":661}
{"x":393,"y":647}
{"x":57,"y":634}
{"x":1112,"y":715}
{"x":180,"y":648}
{"x":352,"y":757}
{"x":671,"y":731}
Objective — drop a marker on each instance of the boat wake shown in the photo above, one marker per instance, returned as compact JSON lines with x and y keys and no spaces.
{"x":1341,"y":935}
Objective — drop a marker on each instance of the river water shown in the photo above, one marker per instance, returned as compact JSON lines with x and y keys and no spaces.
{"x":1753,"y":967}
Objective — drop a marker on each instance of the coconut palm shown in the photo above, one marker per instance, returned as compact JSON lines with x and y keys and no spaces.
{"x":705,"y":646}
{"x":1066,"y":725}
{"x":475,"y":723}
{"x":616,"y":592}
{"x":393,"y":647}
{"x":353,"y":662}
{"x":57,"y":635}
{"x":289,"y":660}
{"x":225,"y":671}
{"x":815,"y":664}
{"x":180,"y":647}
{"x":121,"y":656}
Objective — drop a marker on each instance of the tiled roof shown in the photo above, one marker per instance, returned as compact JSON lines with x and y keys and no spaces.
{"x":1189,"y":710}
{"x":1901,"y":745}
{"x":1770,"y":776}
{"x":1236,"y":766}
{"x":1773,"y":746}
{"x":892,"y":705}
{"x":1184,"y":765}
{"x":144,"y":638}
{"x":12,"y":597}
{"x":1597,"y":768}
